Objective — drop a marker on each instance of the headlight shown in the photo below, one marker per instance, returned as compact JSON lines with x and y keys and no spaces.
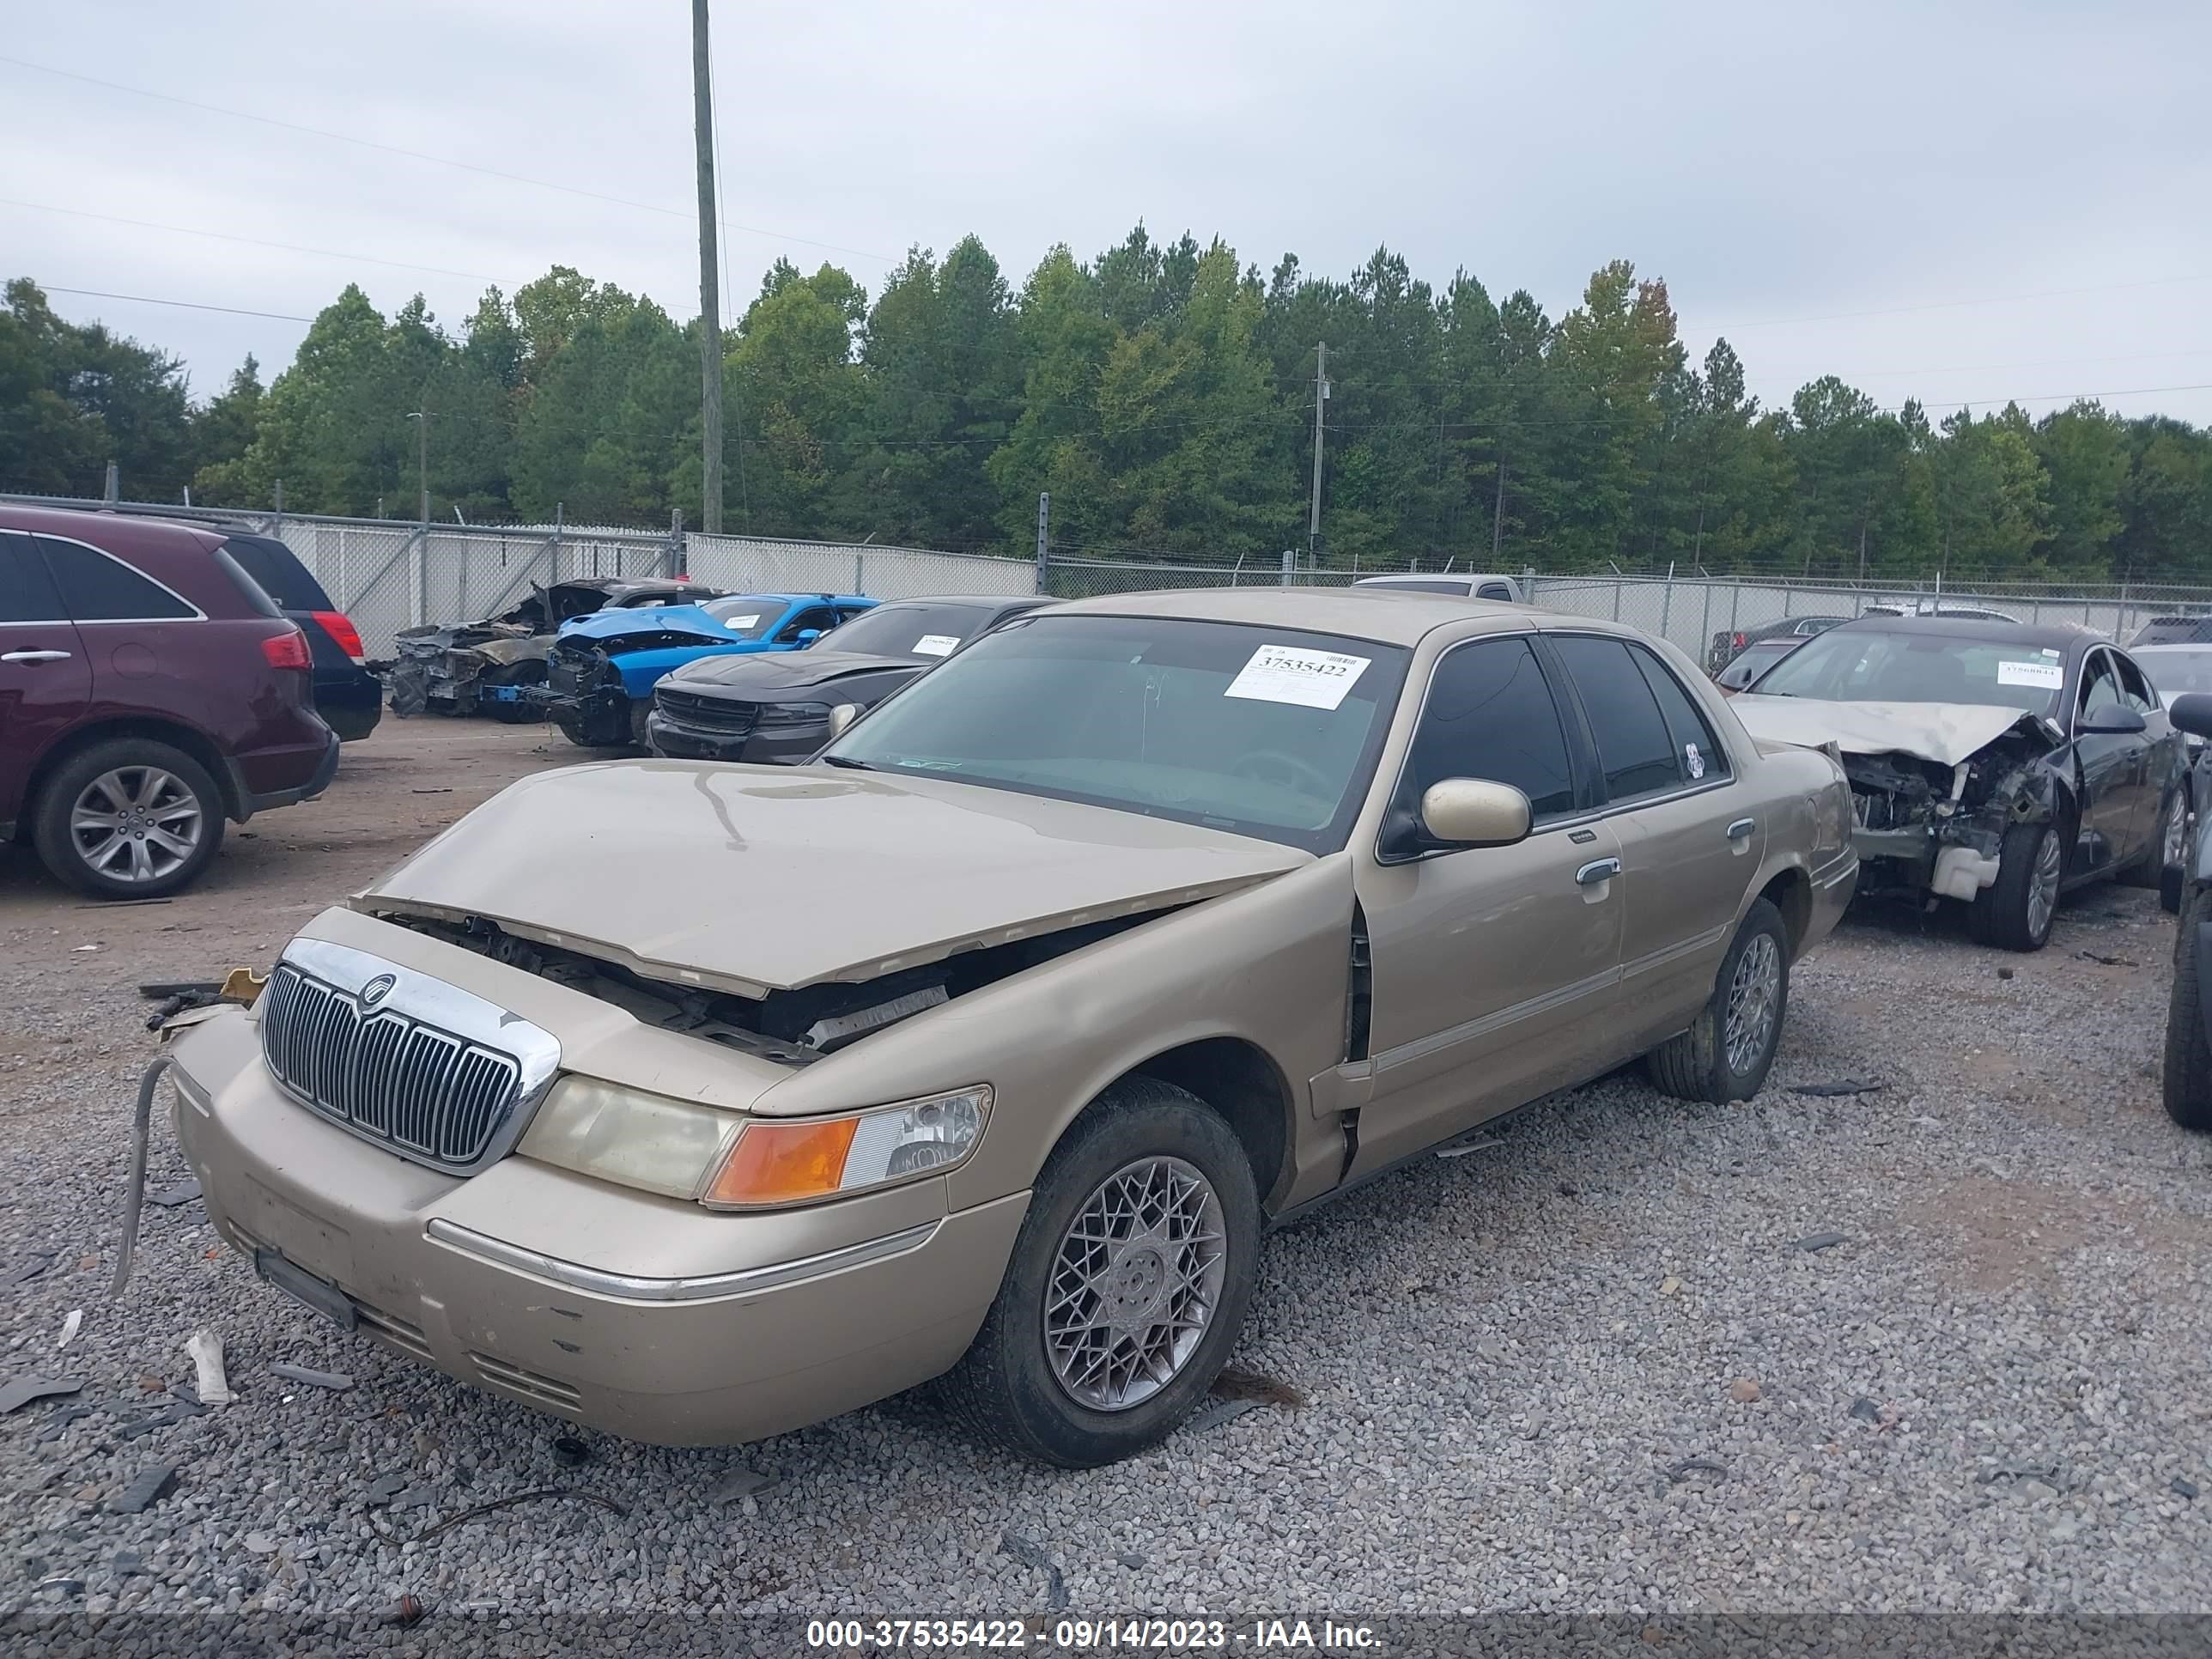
{"x":794,"y":713}
{"x":630,"y":1138}
{"x":799,"y":1159}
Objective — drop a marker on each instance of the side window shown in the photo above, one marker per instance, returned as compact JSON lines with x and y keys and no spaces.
{"x":97,"y":589}
{"x":1634,"y":748}
{"x":1490,"y":715}
{"x":818,"y":616}
{"x":27,"y":592}
{"x":1702,"y":759}
{"x":2101,"y":687}
{"x":2134,"y":690}
{"x":1494,"y":591}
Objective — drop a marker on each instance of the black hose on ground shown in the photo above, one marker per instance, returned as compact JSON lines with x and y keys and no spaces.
{"x":134,"y":1197}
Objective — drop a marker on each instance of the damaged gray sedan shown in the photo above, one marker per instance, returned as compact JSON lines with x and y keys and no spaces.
{"x":1994,"y":762}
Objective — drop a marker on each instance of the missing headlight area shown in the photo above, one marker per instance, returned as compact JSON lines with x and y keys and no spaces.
{"x":790,"y":1028}
{"x":1923,"y":826}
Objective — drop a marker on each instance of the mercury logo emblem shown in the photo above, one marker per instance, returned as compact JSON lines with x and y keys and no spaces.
{"x":377,"y":989}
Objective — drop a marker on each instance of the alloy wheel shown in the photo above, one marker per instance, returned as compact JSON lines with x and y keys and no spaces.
{"x":2174,"y":846}
{"x":135,"y":823}
{"x":1135,"y":1284}
{"x":2042,"y":885}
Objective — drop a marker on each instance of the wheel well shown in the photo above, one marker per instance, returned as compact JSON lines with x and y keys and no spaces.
{"x":153,"y":731}
{"x":1791,"y":893}
{"x":1242,"y":1084}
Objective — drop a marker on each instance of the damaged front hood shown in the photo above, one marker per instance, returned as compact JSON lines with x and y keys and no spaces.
{"x":649,"y":619}
{"x":1945,"y":732}
{"x":755,"y":879}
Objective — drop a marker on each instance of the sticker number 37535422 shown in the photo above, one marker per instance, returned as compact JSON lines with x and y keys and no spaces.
{"x":1287,"y":673}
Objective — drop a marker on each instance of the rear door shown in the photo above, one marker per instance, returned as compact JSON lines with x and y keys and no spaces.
{"x":46,"y":677}
{"x":1687,"y":852}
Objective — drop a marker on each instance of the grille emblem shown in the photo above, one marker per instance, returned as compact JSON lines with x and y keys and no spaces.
{"x":377,"y":989}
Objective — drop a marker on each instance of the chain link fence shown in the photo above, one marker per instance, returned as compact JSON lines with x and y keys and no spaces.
{"x":388,"y":575}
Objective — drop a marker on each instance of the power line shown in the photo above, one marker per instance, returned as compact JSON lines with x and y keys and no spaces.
{"x":1986,"y":299}
{"x":250,"y":241}
{"x":188,"y":305}
{"x":425,"y":156}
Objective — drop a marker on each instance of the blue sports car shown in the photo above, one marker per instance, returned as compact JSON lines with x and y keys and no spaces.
{"x":601,"y":674}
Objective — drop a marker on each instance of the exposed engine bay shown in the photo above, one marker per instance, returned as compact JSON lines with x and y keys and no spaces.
{"x":791,"y":1028}
{"x":1925,"y":826}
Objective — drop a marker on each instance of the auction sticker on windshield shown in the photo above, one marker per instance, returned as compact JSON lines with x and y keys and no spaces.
{"x":1286,"y":673}
{"x":739,"y":624}
{"x":2047,"y":674}
{"x":936,"y":645}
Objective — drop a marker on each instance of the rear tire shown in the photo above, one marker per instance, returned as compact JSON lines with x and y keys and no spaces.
{"x":2167,"y":847}
{"x":1074,"y":1262}
{"x":129,"y":818}
{"x":2187,"y":1080}
{"x":1726,"y":1055}
{"x":2016,"y":911}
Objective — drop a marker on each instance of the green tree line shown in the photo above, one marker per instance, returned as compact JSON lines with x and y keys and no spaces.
{"x":1162,"y":392}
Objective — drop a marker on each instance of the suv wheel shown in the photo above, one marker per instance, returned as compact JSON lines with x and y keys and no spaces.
{"x":2015,"y":910}
{"x":1127,"y":1287}
{"x":128,"y":819}
{"x":1726,"y":1054}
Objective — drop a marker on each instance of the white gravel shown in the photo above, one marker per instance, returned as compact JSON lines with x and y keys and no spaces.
{"x":1504,"y":1354}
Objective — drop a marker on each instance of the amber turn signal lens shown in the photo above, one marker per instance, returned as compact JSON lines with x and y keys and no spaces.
{"x":778,"y":1162}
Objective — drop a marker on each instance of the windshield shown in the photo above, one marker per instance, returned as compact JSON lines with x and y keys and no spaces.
{"x":1270,"y":731}
{"x":1850,"y":665}
{"x":2175,"y":670}
{"x":909,"y":630}
{"x":750,"y":614}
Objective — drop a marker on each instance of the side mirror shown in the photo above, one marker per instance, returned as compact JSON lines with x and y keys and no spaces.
{"x":2113,"y":720}
{"x":1474,"y":812}
{"x":840,"y":717}
{"x":806,"y":636}
{"x":2192,"y":713}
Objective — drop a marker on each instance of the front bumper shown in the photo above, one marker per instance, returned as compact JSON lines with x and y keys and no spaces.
{"x":643,"y":1317}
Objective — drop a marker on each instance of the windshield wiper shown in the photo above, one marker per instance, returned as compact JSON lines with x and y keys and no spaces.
{"x":848,"y":763}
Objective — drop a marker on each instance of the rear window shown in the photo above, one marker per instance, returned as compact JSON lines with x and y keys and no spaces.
{"x":278,"y":570}
{"x":909,"y":630}
{"x":97,"y":586}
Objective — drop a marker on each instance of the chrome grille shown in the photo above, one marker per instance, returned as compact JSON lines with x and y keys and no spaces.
{"x":357,"y":1053}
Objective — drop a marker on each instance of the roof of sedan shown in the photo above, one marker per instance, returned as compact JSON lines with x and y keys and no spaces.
{"x":2058,"y":635}
{"x":1391,"y":615}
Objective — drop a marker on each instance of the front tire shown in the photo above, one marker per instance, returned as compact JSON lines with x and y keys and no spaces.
{"x":129,"y":818}
{"x":1128,"y":1286}
{"x":2187,"y":1079}
{"x":2016,"y":911}
{"x":1726,"y":1055}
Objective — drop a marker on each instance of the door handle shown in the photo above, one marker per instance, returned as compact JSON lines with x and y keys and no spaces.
{"x":34,"y":656}
{"x":1596,"y":871}
{"x":1741,"y":828}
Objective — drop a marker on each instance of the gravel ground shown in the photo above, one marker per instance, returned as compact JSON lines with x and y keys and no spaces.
{"x":1596,"y":1365}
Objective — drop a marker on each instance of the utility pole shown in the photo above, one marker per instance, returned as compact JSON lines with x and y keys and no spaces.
{"x":1320,"y":398}
{"x":710,"y":301}
{"x":422,"y":419}
{"x":1497,"y":515}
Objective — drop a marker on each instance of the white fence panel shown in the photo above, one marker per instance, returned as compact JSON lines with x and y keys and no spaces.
{"x":881,"y":573}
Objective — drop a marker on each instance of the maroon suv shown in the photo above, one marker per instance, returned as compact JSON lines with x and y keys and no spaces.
{"x":149,"y":690}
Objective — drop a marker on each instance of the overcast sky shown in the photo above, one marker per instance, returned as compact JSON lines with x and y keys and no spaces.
{"x":1960,"y":202}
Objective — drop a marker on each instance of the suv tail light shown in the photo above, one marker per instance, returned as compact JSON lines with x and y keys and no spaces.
{"x":1736,"y":639}
{"x":340,"y":628}
{"x":286,"y":650}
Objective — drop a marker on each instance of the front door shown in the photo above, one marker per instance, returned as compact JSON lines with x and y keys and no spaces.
{"x":1492,"y":967}
{"x":2113,"y":769}
{"x":1686,"y":855}
{"x":46,"y":678}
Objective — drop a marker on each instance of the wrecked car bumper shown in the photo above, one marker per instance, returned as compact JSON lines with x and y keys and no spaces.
{"x":646,"y":1318}
{"x":1954,"y":860}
